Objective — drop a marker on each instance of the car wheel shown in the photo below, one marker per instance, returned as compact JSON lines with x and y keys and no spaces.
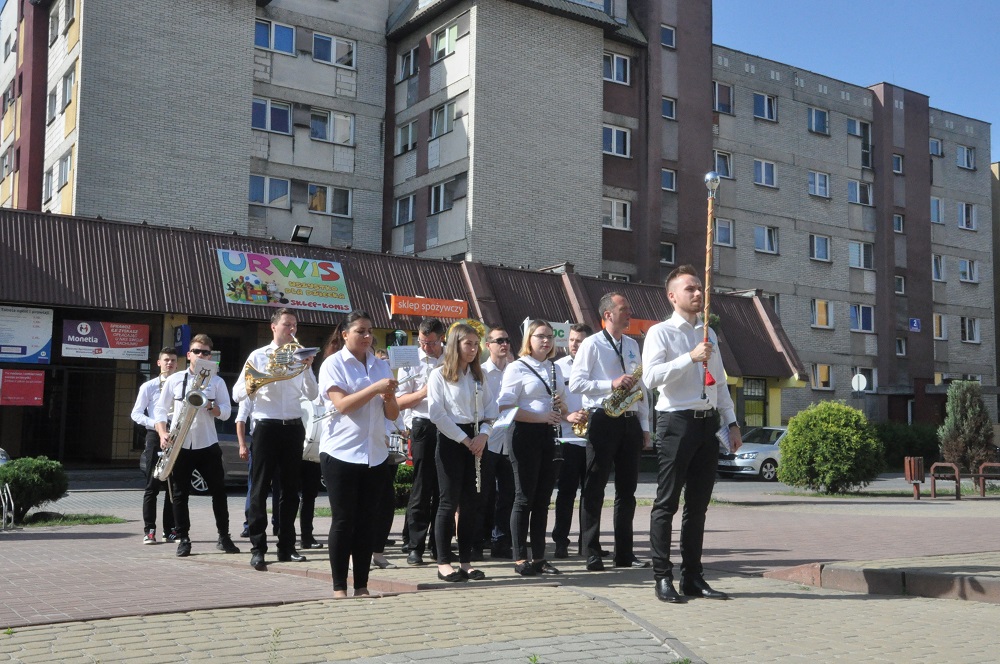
{"x":769,"y":470}
{"x":198,"y":483}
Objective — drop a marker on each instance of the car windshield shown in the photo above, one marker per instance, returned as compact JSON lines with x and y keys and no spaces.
{"x":762,"y":436}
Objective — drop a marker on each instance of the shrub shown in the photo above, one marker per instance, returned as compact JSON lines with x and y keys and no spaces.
{"x":967,"y":433}
{"x":33,"y":482}
{"x":401,"y":485}
{"x":830,"y":447}
{"x":902,"y":440}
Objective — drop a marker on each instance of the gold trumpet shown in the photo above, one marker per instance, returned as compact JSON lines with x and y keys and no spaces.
{"x":283,"y":363}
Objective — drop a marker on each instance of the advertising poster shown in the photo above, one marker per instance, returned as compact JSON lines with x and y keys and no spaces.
{"x":105,"y":341}
{"x":283,"y":281}
{"x":20,"y":387}
{"x":25,"y":335}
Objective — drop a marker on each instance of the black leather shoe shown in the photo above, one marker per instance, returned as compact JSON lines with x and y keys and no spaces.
{"x":543,"y":567}
{"x":414,"y":559}
{"x":257,"y":561}
{"x":562,"y":551}
{"x":634,"y":563}
{"x":695,"y":586}
{"x":605,"y":553}
{"x":246,"y":531}
{"x":311,"y":544}
{"x":290,"y":556}
{"x":183,"y":547}
{"x":454,"y":577}
{"x":225,"y":543}
{"x":475,"y":575}
{"x":525,"y":569}
{"x":665,"y":591}
{"x":595,"y":564}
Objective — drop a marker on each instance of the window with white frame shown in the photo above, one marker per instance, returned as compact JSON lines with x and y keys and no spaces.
{"x":324,"y":199}
{"x":723,"y":164}
{"x":967,"y":216}
{"x":442,"y":119}
{"x":52,"y":106}
{"x":936,"y":148}
{"x":765,"y":239}
{"x":443,"y":42}
{"x":405,"y":209}
{"x":862,"y":318}
{"x":54,"y":24}
{"x":67,"y":86}
{"x":668,"y":36}
{"x":859,"y":192}
{"x":406,"y":137}
{"x":970,"y":329}
{"x":722,"y":97}
{"x":869,"y":374}
{"x":855,"y":127}
{"x":968,"y":270}
{"x":668,"y":253}
{"x":861,"y":255}
{"x":822,"y":377}
{"x":897,"y":164}
{"x":940,"y":327}
{"x":269,"y":115}
{"x":334,"y":50}
{"x":937,"y":267}
{"x":47,"y":181}
{"x":63,"y":168}
{"x":70,"y":12}
{"x":7,"y":163}
{"x":616,"y":141}
{"x":617,"y":68}
{"x":8,"y":46}
{"x":274,"y":36}
{"x":724,"y":232}
{"x":441,"y":197}
{"x":616,"y":214}
{"x":331,"y":126}
{"x":937,"y":210}
{"x":774,"y":300}
{"x":268,"y":191}
{"x":899,"y":284}
{"x":765,"y":106}
{"x":668,"y":179}
{"x":819,"y":184}
{"x":763,"y":172}
{"x":965,"y":157}
{"x":668,"y":108}
{"x":898,"y":223}
{"x":900,"y":346}
{"x":819,"y":121}
{"x":408,"y":64}
{"x":822,"y":313}
{"x":616,"y":276}
{"x":819,"y":248}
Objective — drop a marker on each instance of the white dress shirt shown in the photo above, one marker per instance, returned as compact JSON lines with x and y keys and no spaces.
{"x":423,"y":372}
{"x":202,"y":433}
{"x":520,"y":386}
{"x":278,"y":400}
{"x":451,"y":404}
{"x":358,"y":436}
{"x":597,"y":366}
{"x":145,"y":402}
{"x":573,"y":401}
{"x":667,"y":366}
{"x":494,"y":377}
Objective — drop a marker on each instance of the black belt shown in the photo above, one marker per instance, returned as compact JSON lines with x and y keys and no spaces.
{"x":270,"y":420}
{"x":627,"y":413}
{"x":697,"y":414}
{"x":421,"y":419}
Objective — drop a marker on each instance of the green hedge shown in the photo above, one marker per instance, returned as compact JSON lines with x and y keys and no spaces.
{"x":402,"y":484}
{"x":33,"y":482}
{"x":904,"y":440}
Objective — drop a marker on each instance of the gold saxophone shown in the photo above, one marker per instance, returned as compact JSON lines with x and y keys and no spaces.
{"x":281,"y":365}
{"x":621,"y":399}
{"x":183,"y":418}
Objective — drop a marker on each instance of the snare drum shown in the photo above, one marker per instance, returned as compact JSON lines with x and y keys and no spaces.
{"x":398,"y":448}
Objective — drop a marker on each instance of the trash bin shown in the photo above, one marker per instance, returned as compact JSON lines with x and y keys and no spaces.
{"x":913,"y":469}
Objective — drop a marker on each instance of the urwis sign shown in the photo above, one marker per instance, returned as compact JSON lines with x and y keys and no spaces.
{"x":283,"y":281}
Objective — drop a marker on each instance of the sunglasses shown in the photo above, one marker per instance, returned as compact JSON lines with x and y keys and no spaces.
{"x":501,"y":340}
{"x":201,"y":351}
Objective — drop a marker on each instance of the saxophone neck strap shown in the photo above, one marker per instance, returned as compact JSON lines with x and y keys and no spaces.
{"x":618,"y":348}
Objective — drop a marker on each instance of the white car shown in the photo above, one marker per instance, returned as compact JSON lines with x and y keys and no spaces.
{"x":759,"y":456}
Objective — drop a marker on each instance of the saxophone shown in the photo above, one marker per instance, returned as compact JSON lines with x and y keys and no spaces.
{"x":193,"y":401}
{"x":621,"y":399}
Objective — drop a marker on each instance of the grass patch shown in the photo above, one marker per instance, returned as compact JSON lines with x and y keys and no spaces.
{"x":943,"y":489}
{"x":39,"y":519}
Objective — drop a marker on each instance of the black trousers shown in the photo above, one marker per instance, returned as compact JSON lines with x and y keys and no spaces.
{"x":504,"y":502}
{"x":688,"y":453}
{"x":153,"y":488}
{"x":208,"y":462}
{"x":571,"y":476}
{"x":310,"y":489}
{"x":532,"y":448}
{"x":353,"y":490}
{"x":456,"y":472}
{"x":386,"y":510}
{"x":276,"y":448}
{"x":615,"y":444}
{"x":424,"y":493}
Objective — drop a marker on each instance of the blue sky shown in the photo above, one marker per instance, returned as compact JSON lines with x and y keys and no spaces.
{"x":949,"y":51}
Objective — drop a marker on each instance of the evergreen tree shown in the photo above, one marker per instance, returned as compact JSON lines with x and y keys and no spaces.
{"x":967,"y":433}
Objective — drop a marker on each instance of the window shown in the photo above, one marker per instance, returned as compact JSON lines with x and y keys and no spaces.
{"x":968,"y":271}
{"x":967,"y":216}
{"x":409,"y":233}
{"x":615,"y":214}
{"x":937,"y":211}
{"x":819,"y":184}
{"x":937,"y":267}
{"x":442,"y":119}
{"x":765,"y":106}
{"x":859,"y":192}
{"x":331,"y":126}
{"x":773,"y":300}
{"x":329,"y":200}
{"x":274,"y":36}
{"x":819,"y":121}
{"x":432,"y":232}
{"x":869,"y":375}
{"x":822,"y":315}
{"x":64,"y":165}
{"x":440,"y":198}
{"x":854,"y":127}
{"x":860,"y":254}
{"x":668,"y":36}
{"x":7,"y":163}
{"x":900,"y":346}
{"x":899,"y":285}
{"x":724,"y":164}
{"x":940,"y":327}
{"x":897,"y":164}
{"x":54,"y":25}
{"x":616,"y":276}
{"x":822,"y":377}
{"x":272,"y":192}
{"x":722,"y":97}
{"x":70,"y":12}
{"x":616,"y":141}
{"x":965,"y":157}
{"x":668,"y":179}
{"x":52,"y":106}
{"x":897,"y":223}
{"x":616,"y":68}
{"x":936,"y":148}
{"x":405,"y":208}
{"x":667,"y":253}
{"x":444,"y":42}
{"x":819,"y":248}
{"x":724,"y":232}
{"x":67,"y":86}
{"x":406,"y":138}
{"x":408,"y":64}
{"x":334,"y":50}
{"x":47,"y":185}
{"x":765,"y":239}
{"x":763,"y":172}
{"x":970,"y":329}
{"x":668,"y":108}
{"x":270,"y":115}
{"x":8,"y":46}
{"x":862,"y":318}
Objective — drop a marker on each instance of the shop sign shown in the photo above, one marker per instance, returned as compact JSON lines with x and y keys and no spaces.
{"x":559,"y":330}
{"x":19,"y":387}
{"x":283,"y":281}
{"x":426,"y":306}
{"x":25,"y":335}
{"x":105,"y":341}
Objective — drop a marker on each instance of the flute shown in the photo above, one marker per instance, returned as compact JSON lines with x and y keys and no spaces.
{"x":334,"y":411}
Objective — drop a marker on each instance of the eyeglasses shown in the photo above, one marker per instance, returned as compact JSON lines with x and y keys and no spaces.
{"x":429,"y":344}
{"x":501,"y":340}
{"x":201,"y":351}
{"x":543,"y":337}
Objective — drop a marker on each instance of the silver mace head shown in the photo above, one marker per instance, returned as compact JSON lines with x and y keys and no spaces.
{"x":712,"y":182}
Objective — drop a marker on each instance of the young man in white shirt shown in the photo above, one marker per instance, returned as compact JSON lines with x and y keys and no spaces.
{"x":143,"y":415}
{"x":498,"y":476}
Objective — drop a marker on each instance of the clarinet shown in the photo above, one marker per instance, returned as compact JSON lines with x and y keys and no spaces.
{"x":557,"y":455}
{"x":475,"y":430}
